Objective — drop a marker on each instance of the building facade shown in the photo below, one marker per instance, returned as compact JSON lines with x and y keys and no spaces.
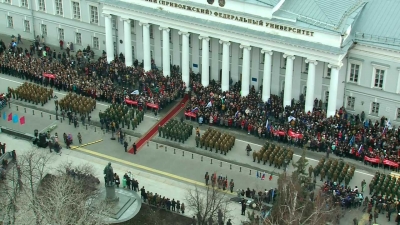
{"x":336,"y":51}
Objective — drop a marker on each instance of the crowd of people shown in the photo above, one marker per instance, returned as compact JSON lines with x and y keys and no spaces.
{"x":128,"y":182}
{"x":111,"y":82}
{"x":345,"y":134}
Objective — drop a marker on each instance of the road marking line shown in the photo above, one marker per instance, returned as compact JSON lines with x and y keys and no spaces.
{"x":159,"y":172}
{"x":90,"y":143}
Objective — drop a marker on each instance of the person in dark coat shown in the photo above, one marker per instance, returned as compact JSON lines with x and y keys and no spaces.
{"x":134,"y":148}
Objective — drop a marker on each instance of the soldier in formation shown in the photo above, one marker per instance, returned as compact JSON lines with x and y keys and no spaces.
{"x":77,"y":104}
{"x":214,"y":139}
{"x":176,"y":130}
{"x":32,"y":93}
{"x":334,"y":170}
{"x":122,"y":116}
{"x":275,"y":155}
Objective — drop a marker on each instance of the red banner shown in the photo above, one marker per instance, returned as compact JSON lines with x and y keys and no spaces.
{"x":390,"y":163}
{"x":153,"y":106}
{"x":190,"y":114}
{"x":49,"y":75}
{"x":131,"y":102}
{"x":295,"y":135}
{"x":386,"y":162}
{"x":278,"y":132}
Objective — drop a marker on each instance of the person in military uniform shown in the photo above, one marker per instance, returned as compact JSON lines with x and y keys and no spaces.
{"x":159,"y":130}
{"x":310,"y":171}
{"x":254,"y":156}
{"x":322,"y":173}
{"x":197,"y":140}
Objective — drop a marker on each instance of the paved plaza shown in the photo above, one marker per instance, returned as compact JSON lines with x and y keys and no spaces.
{"x":163,"y":166}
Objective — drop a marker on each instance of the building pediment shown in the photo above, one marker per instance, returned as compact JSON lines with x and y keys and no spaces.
{"x":194,"y":12}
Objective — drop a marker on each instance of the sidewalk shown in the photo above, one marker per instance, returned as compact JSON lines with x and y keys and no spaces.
{"x":157,"y":184}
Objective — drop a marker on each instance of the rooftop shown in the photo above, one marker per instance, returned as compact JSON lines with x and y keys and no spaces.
{"x":379,"y":24}
{"x":262,"y":2}
{"x":327,"y":14}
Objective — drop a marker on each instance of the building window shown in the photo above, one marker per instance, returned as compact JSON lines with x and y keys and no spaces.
{"x":375,"y":108}
{"x":151,"y":55}
{"x":24,"y":3}
{"x":379,"y":75}
{"x":151,"y":31}
{"x":10,"y":22}
{"x":354,"y":72}
{"x":96,"y":44}
{"x":42,"y":5}
{"x":27,"y":26}
{"x":283,"y":86}
{"x":326,"y":96}
{"x":59,"y":7}
{"x":170,"y":59}
{"x":43,"y":28}
{"x":398,"y":114}
{"x":94,"y":15}
{"x":305,"y":90}
{"x":76,"y":10}
{"x":114,"y":23}
{"x":209,"y":47}
{"x":328,"y":72}
{"x":60,"y":34}
{"x":284,"y":63}
{"x":350,"y":102}
{"x":78,"y":38}
{"x":133,"y":52}
{"x":7,"y":1}
{"x":262,"y":58}
{"x":306,"y":65}
{"x":170,"y":36}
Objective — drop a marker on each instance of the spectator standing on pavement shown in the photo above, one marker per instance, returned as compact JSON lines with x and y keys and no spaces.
{"x":134,"y":148}
{"x":126,"y":146}
{"x":229,"y":222}
{"x":183,"y":208}
{"x":116,"y":180}
{"x":19,"y":39}
{"x":61,"y":44}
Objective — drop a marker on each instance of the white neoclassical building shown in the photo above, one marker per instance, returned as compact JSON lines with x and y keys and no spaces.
{"x":345,"y":52}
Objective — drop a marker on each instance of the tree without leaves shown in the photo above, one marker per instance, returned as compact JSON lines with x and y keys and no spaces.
{"x":293,"y":205}
{"x":207,"y":203}
{"x":65,"y":200}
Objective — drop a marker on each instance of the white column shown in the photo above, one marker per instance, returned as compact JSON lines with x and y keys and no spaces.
{"x":146,"y":46}
{"x":195,"y":52}
{"x":245,"y":70}
{"x":185,"y":58}
{"x":109,"y":37}
{"x":128,"y":42}
{"x":266,"y":91}
{"x":225,"y":65}
{"x":235,"y":62}
{"x":166,"y":60}
{"x":310,"y":85}
{"x":205,"y":61}
{"x":138,"y":42}
{"x":333,"y":89}
{"x":157,"y":56}
{"x":287,"y":98}
{"x":176,"y":48}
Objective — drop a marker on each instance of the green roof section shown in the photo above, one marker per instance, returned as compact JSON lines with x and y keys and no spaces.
{"x":327,"y":14}
{"x":379,"y":24}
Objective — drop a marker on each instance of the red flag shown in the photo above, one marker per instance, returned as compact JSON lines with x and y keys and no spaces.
{"x":270,"y":177}
{"x":9,"y":117}
{"x":22,"y":120}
